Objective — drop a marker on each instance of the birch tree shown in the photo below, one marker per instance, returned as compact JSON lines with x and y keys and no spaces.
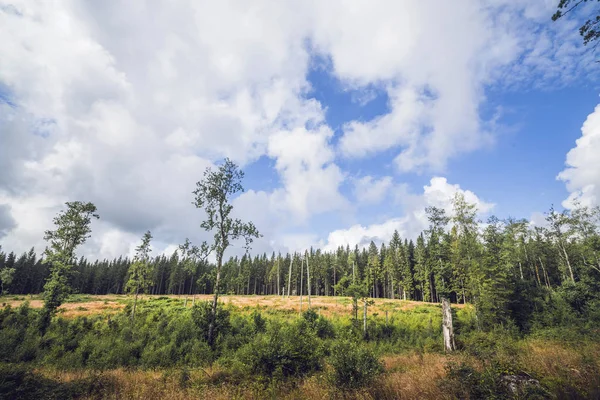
{"x":72,"y":230}
{"x":140,"y":271}
{"x":214,"y":194}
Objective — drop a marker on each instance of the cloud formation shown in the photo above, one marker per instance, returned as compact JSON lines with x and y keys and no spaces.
{"x":125,"y":104}
{"x":582,"y":172}
{"x":438,"y":193}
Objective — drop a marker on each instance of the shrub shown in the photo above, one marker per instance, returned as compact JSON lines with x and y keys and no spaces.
{"x":353,"y":364}
{"x":321,"y":326}
{"x":259,"y":322}
{"x":201,"y":315}
{"x":282,"y":351}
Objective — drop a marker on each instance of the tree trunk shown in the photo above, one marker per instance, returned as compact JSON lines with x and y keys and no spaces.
{"x":447,"y":327}
{"x":545,"y":274}
{"x":211,"y":325}
{"x":521,"y":270}
{"x":308,"y":279}
{"x":568,"y":263}
{"x":365,"y":318}
{"x":301,"y":282}
{"x":135,"y":302}
{"x":290,"y":276}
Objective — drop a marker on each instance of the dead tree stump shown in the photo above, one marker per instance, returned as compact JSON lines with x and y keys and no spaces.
{"x":447,"y":328}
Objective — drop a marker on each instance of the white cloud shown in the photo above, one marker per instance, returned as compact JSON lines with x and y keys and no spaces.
{"x":434,"y":60}
{"x":125,"y":105}
{"x":371,"y":190}
{"x":582,"y":172}
{"x":439,"y":193}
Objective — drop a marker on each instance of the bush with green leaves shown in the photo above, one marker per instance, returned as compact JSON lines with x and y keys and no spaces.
{"x":354,"y":365}
{"x":201,"y":315}
{"x":321,"y":326}
{"x":282,"y":351}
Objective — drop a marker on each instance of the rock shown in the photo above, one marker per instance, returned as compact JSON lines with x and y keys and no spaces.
{"x":517,"y":384}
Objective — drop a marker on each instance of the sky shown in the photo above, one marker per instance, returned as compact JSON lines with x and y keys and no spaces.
{"x":348,"y":117}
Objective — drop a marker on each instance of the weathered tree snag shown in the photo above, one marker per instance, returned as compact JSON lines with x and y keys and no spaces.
{"x":365,"y":318}
{"x":447,"y":328}
{"x":301,"y":281}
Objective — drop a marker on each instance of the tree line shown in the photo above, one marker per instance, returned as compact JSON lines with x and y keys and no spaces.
{"x":503,"y":267}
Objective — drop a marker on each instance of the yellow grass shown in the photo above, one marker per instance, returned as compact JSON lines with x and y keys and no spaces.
{"x":325,"y":305}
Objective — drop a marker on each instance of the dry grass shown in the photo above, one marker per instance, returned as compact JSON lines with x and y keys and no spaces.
{"x":71,"y":310}
{"x":406,"y":376}
{"x":409,"y":376}
{"x":325,"y":305}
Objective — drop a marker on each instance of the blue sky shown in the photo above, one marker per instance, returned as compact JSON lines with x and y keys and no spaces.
{"x":349,"y":118}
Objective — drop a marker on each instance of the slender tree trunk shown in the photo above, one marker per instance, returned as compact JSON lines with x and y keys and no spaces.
{"x":290,"y":276}
{"x":365,"y":318}
{"x":568,"y":262}
{"x":334,"y":280}
{"x":537,"y":275}
{"x":521,"y":270}
{"x":301,"y":282}
{"x":545,"y":274}
{"x":211,"y":325}
{"x":137,"y":288}
{"x":278,"y":278}
{"x":308,"y":279}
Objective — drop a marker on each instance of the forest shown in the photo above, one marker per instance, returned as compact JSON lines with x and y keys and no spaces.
{"x":503,"y":267}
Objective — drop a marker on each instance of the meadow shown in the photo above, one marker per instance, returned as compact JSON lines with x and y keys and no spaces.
{"x":267,"y":348}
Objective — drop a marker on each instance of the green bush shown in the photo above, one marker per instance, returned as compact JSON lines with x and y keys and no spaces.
{"x":284,"y":350}
{"x":201,"y":315}
{"x":353,"y":364}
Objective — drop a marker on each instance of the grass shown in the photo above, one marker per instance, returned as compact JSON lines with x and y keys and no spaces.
{"x":325,"y":305}
{"x":565,"y":368}
{"x":566,"y":371}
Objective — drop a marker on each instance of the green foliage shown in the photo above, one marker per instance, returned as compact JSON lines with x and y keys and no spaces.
{"x":202,"y":316}
{"x":322,"y":327}
{"x":18,"y":382}
{"x":353,"y":364}
{"x":213,"y":194}
{"x":6,"y":278}
{"x":72,"y":230}
{"x":283,"y":351}
{"x":260,"y":323}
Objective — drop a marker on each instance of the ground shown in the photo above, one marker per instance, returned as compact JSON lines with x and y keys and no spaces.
{"x":325,"y":305}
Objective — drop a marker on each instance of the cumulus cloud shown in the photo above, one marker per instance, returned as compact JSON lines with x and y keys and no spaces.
{"x":438,"y":193}
{"x":582,"y":172}
{"x":434,"y":61}
{"x":125,"y":105}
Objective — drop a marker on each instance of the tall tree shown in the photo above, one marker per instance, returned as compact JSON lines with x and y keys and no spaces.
{"x":140,"y":271}
{"x":213,"y":194}
{"x":72,"y":230}
{"x":559,"y":229}
{"x":466,"y":244}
